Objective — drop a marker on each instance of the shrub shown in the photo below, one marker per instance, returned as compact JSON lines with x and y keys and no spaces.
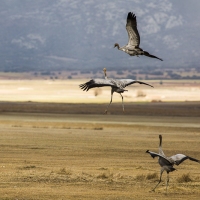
{"x":140,"y":177}
{"x":140,"y":93}
{"x":63,"y":171}
{"x":152,"y":176}
{"x":184,"y":178}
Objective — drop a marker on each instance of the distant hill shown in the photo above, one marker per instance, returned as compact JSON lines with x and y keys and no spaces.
{"x":48,"y":35}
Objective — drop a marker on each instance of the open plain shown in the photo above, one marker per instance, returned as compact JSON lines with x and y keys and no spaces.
{"x":61,"y":150}
{"x":47,"y":155}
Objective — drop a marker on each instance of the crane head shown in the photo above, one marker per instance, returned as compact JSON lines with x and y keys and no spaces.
{"x":116,"y":45}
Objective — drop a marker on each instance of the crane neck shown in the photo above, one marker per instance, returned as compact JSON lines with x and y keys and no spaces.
{"x":160,"y":137}
{"x":105,"y":75}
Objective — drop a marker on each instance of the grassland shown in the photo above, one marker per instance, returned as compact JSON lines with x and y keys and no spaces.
{"x":54,"y":148}
{"x":95,"y":156}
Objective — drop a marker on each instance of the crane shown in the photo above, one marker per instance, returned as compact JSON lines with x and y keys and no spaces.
{"x":167,"y":163}
{"x":132,"y":48}
{"x":117,"y":85}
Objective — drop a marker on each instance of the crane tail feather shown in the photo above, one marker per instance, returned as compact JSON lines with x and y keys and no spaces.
{"x":151,"y":56}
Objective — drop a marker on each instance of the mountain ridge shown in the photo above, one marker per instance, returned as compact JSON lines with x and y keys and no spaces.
{"x":76,"y":35}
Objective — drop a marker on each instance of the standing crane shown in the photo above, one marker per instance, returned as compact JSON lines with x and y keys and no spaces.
{"x":116,"y":86}
{"x":167,"y":163}
{"x":132,"y":48}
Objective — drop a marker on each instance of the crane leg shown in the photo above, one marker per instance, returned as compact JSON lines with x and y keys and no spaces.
{"x":122,"y":101}
{"x":161,"y":172}
{"x":110,"y":102}
{"x":167,"y":181}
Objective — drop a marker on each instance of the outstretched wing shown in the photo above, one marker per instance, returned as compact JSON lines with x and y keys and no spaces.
{"x":179,"y":158}
{"x":151,"y":56}
{"x":153,"y":155}
{"x":131,"y":27}
{"x":126,"y":82}
{"x":96,"y":83}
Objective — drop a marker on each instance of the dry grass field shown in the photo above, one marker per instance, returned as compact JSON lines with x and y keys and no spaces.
{"x":95,"y":156}
{"x":52,"y":147}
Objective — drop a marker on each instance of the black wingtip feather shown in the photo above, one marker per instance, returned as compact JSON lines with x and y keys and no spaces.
{"x":83,"y":87}
{"x":140,"y":82}
{"x":193,"y":159}
{"x":131,"y":16}
{"x":86,"y":86}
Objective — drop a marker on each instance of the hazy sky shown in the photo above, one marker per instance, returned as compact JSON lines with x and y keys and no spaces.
{"x":76,"y":34}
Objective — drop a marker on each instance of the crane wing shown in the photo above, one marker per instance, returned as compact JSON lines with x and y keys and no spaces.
{"x":179,"y":158}
{"x":131,"y":27}
{"x":126,"y":82}
{"x":153,"y":155}
{"x":96,"y":83}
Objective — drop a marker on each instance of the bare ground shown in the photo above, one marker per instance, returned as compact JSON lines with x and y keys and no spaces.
{"x":183,"y":109}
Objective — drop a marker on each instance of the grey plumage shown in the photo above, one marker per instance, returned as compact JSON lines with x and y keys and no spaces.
{"x":167,"y":163}
{"x":132,"y":48}
{"x":117,"y":85}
